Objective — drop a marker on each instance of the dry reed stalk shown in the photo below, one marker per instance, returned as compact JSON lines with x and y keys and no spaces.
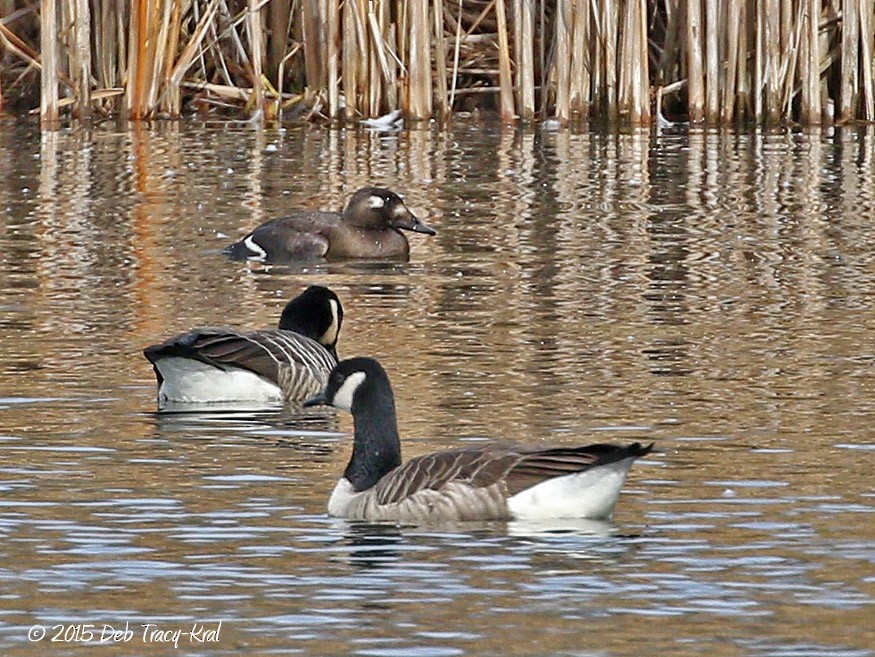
{"x":136,"y":62}
{"x":313,"y":44}
{"x":380,"y":25}
{"x":641,"y":98}
{"x":169,"y":97}
{"x":742,"y":94}
{"x":18,"y":47}
{"x":850,"y":50}
{"x":713,"y":61}
{"x":443,"y":104}
{"x":505,"y":81}
{"x":867,"y":29}
{"x":633,"y":96}
{"x":562,"y":60}
{"x":524,"y":38}
{"x":456,"y":50}
{"x":255,"y":33}
{"x":239,"y":94}
{"x":379,"y":46}
{"x":811,"y":108}
{"x":402,"y":47}
{"x":375,"y":81}
{"x":666,"y":68}
{"x":610,"y":26}
{"x":773,"y":59}
{"x":332,"y":20}
{"x":80,"y":58}
{"x":419,"y":62}
{"x":361,"y":73}
{"x":187,"y":56}
{"x":389,"y":29}
{"x":97,"y":94}
{"x":279,"y":15}
{"x":160,"y":48}
{"x":580,"y":79}
{"x":626,"y":48}
{"x":760,"y":60}
{"x":105,"y":45}
{"x":351,"y":59}
{"x":49,"y":76}
{"x":733,"y":48}
{"x":281,"y":70}
{"x":695,"y":74}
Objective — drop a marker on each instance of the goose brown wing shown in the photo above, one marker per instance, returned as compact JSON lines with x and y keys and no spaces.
{"x":482,"y":467}
{"x":479,"y":468}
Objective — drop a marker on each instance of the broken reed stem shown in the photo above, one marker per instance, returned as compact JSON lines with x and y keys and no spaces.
{"x":770,"y":59}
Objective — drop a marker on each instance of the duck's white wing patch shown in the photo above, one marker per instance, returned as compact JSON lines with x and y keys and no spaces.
{"x":592,"y":493}
{"x":376,"y":202}
{"x":252,"y":245}
{"x":343,"y":396}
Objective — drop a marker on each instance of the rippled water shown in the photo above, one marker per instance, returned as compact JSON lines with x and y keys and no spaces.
{"x":712,"y":292}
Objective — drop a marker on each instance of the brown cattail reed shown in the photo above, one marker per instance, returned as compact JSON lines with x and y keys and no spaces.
{"x":575,"y":60}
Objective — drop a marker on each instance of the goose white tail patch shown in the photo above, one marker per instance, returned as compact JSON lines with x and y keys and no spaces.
{"x":343,"y":396}
{"x":252,"y":245}
{"x":376,"y":202}
{"x":592,"y":494}
{"x":187,"y":380}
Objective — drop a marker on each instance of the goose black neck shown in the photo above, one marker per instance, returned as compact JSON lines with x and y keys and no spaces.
{"x":376,"y":449}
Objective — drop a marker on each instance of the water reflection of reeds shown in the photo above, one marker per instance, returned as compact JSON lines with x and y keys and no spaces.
{"x":596,"y":276}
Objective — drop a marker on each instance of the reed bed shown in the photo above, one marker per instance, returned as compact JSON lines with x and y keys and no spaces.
{"x":627,"y":61}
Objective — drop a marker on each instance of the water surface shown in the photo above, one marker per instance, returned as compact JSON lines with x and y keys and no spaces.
{"x":709,"y":291}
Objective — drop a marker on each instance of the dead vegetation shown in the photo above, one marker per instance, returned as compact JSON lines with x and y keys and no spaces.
{"x":718,"y":61}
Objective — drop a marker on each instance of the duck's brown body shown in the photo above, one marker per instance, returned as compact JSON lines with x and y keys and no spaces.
{"x":369,"y":227}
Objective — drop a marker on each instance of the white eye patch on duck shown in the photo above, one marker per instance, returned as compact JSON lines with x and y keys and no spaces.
{"x":375,"y":202}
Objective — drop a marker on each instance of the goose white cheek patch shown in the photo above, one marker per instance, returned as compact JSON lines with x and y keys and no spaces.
{"x":330,"y":334}
{"x":344,"y":394}
{"x":376,"y":202}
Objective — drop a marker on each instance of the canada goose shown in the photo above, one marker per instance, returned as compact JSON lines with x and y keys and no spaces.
{"x":222,"y":364}
{"x":369,"y":227}
{"x":483,"y":482}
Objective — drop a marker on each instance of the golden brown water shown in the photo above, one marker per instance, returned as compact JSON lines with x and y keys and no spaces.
{"x":712,"y":292}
